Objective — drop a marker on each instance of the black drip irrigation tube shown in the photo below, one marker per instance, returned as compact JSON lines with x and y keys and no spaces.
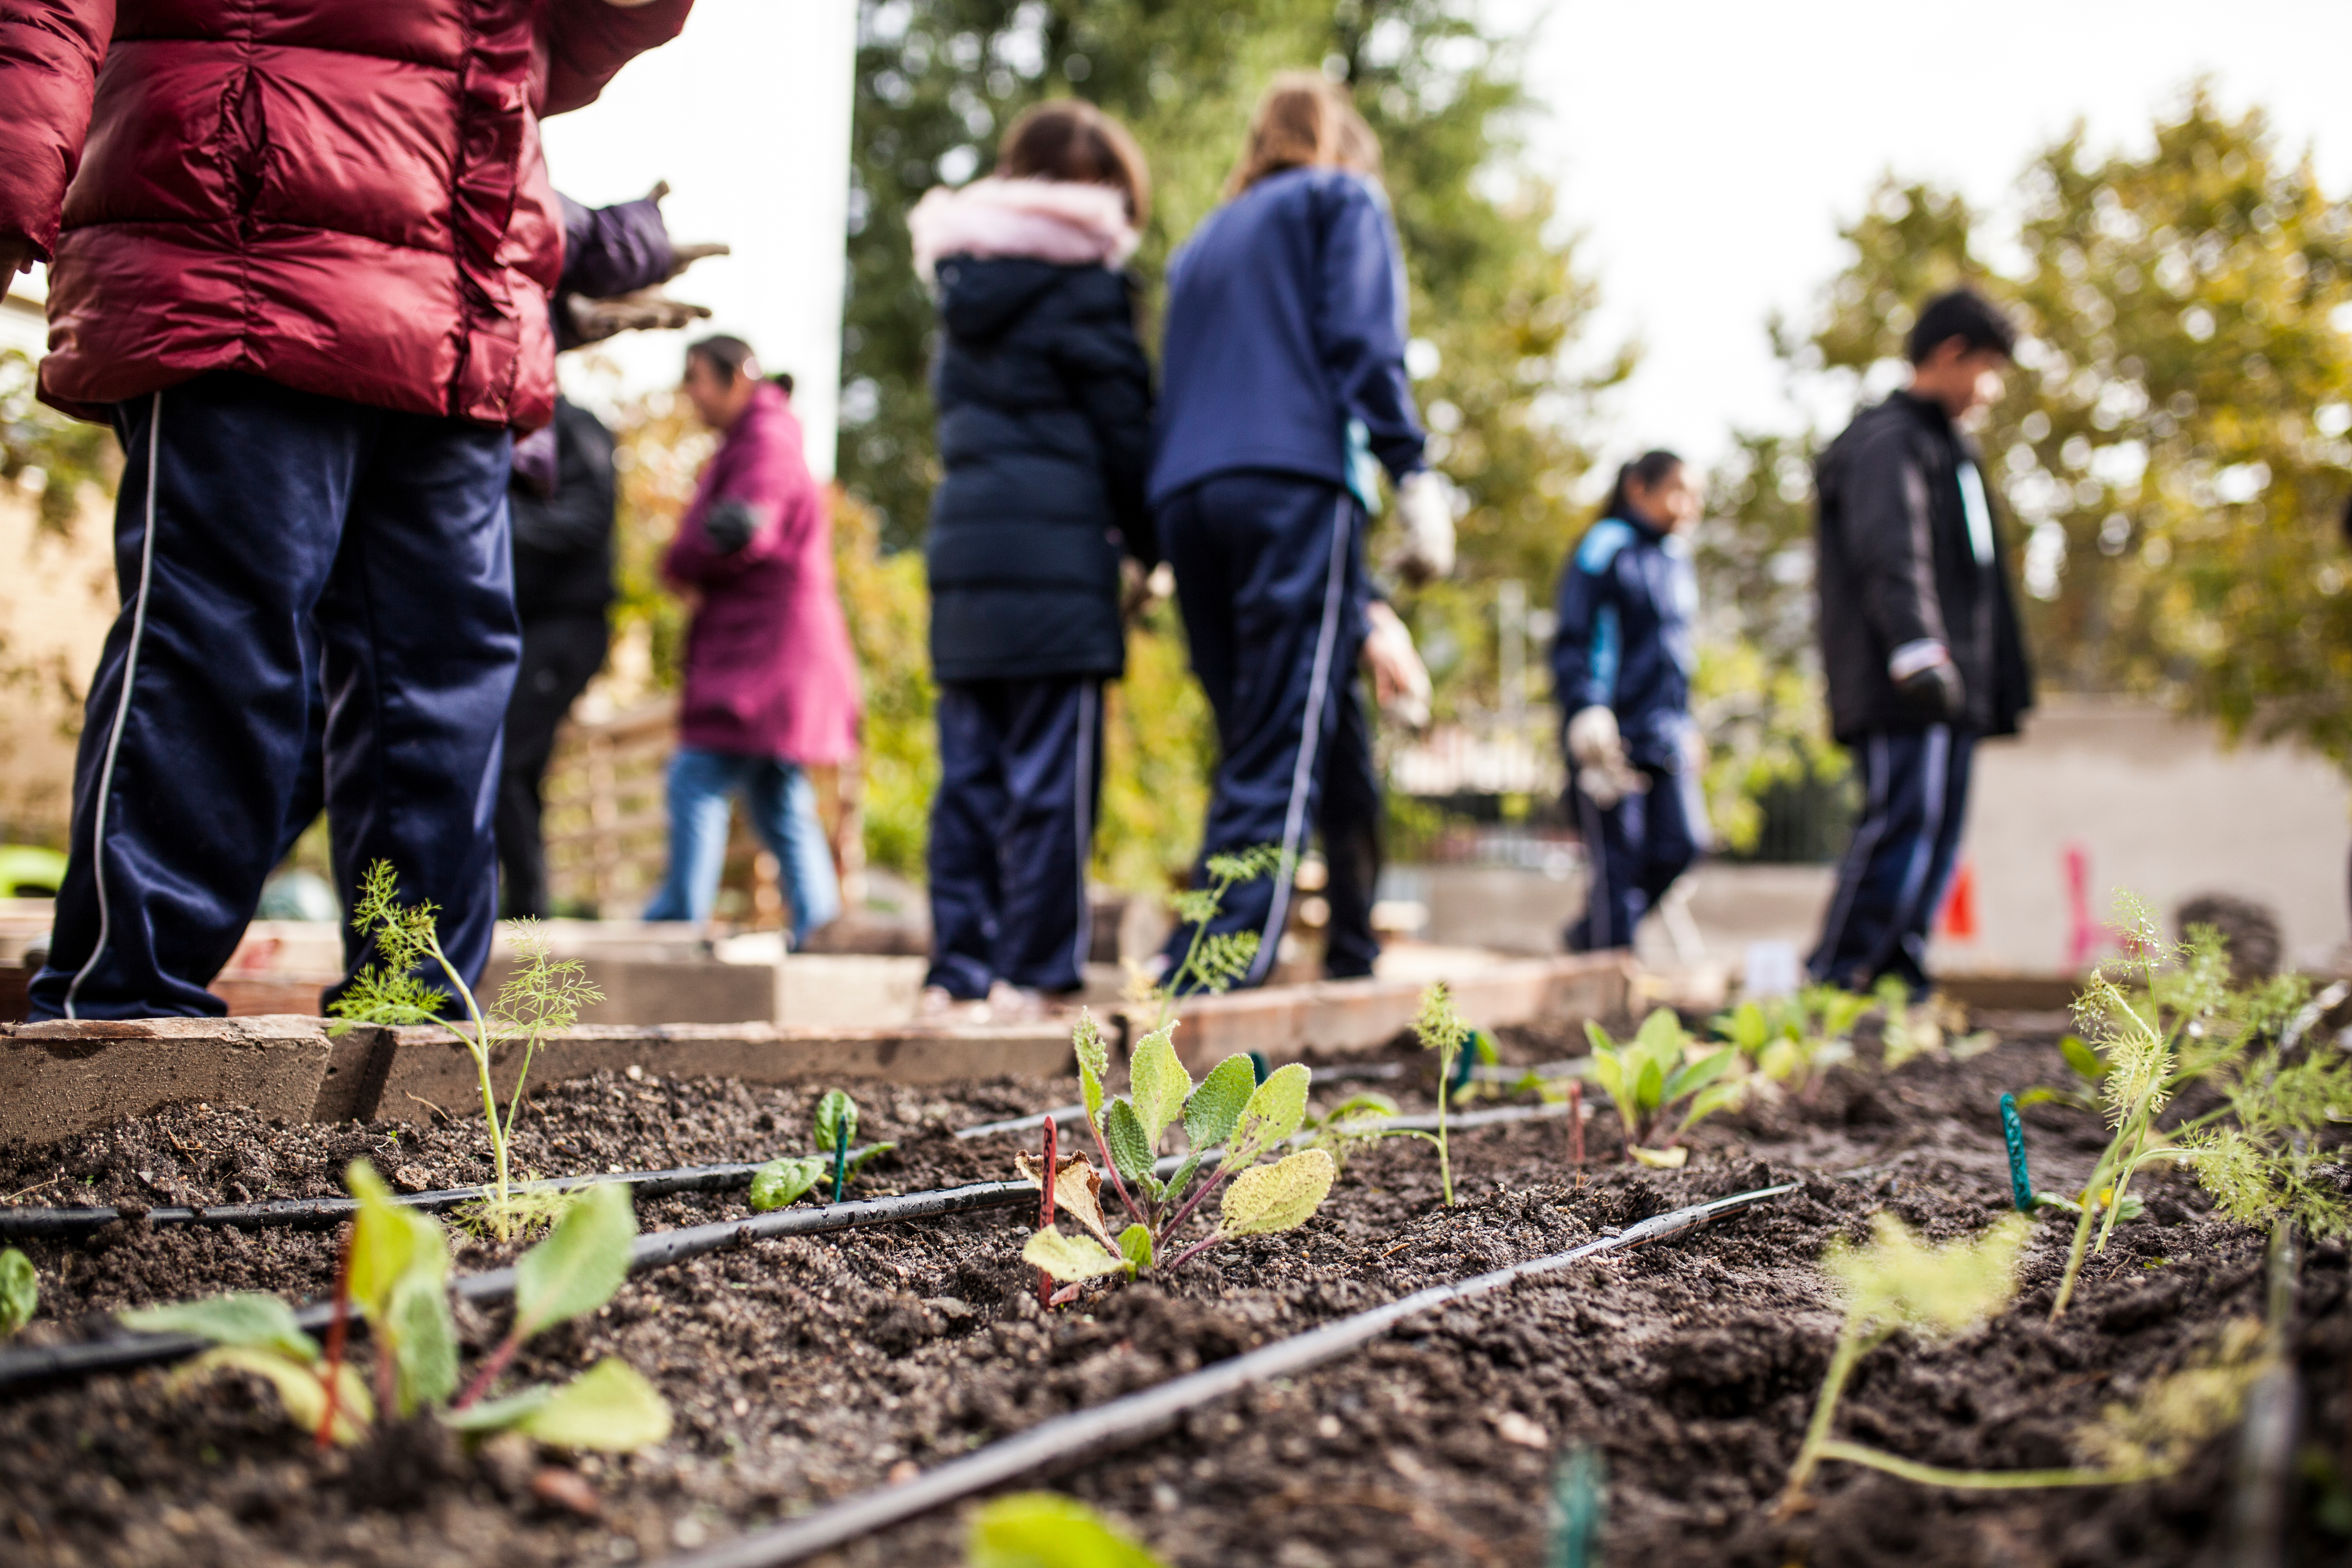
{"x":122,"y":1352}
{"x":1138,"y":1417}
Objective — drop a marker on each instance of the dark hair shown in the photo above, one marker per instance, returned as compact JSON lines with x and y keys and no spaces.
{"x":1064,"y":139}
{"x":725,"y":354}
{"x":1650,"y":471}
{"x":1964,"y":314}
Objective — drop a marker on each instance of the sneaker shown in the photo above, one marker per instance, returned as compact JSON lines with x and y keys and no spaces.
{"x":937,"y":1005}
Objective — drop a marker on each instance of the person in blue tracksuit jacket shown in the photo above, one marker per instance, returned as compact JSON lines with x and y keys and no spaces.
{"x":1622,"y":666}
{"x":1284,"y":356}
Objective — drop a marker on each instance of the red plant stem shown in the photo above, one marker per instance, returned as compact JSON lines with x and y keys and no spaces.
{"x":335,"y":1326}
{"x":1112,"y":1166}
{"x":489,"y":1372}
{"x":1045,"y":1206}
{"x":1192,"y":1202}
{"x":1576,"y":1125}
{"x":1212,"y":1239}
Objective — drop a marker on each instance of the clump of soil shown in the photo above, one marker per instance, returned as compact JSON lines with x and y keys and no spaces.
{"x":808,"y":1368}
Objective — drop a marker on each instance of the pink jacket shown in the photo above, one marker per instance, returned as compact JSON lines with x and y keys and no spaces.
{"x":769,"y":669}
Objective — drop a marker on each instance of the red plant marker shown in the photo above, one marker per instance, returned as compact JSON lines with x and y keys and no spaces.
{"x":1576,"y":1125}
{"x":1046,"y":1204}
{"x":335,"y":1342}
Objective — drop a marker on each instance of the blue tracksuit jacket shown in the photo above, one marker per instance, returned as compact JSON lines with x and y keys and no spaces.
{"x":1286,"y":322}
{"x":1626,"y":605}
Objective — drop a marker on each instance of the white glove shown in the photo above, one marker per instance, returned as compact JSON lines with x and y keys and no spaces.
{"x":1603,"y":771}
{"x":1425,"y":506}
{"x":1399,"y":681}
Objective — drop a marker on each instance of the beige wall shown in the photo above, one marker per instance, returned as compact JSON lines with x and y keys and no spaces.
{"x":56,"y":599}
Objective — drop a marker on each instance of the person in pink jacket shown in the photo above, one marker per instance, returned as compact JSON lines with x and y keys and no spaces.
{"x":771,"y":682}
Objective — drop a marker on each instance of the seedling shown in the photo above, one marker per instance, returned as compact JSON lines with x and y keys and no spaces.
{"x":1655,"y":1074}
{"x":1046,"y":1530}
{"x":544,"y":995}
{"x":1356,"y":1122}
{"x":395,"y":1274}
{"x":1211,"y":963}
{"x":833,"y":1128}
{"x":1790,"y":1038}
{"x":1441,"y":1029}
{"x":20,"y":1291}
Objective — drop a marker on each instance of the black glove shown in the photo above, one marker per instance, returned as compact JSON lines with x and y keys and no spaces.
{"x":1935,"y":693}
{"x":729,"y":524}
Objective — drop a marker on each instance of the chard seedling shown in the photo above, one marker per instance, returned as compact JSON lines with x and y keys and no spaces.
{"x":1655,"y":1074}
{"x":1046,"y":1530}
{"x":832,"y":1127}
{"x":20,"y":1291}
{"x":545,"y":994}
{"x":395,"y":1274}
{"x":1786,"y":1039}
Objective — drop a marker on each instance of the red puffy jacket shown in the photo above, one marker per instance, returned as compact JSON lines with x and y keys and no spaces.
{"x":344,"y":196}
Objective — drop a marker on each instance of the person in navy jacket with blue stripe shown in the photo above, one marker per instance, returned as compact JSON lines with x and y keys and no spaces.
{"x":1622,"y":665}
{"x":1284,"y":379}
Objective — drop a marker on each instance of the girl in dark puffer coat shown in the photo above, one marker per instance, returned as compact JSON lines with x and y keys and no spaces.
{"x":1044,"y":403}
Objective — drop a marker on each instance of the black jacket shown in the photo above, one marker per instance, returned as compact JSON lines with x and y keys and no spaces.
{"x":1044,"y":406}
{"x":1896,"y":566}
{"x":563,"y":539}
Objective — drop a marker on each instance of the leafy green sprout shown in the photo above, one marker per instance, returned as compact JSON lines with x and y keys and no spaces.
{"x":1215,"y":963}
{"x":1046,"y":1530}
{"x":1440,"y":1028}
{"x":1789,"y":1039}
{"x":545,"y":994}
{"x":832,"y":1127}
{"x":396,"y":1276}
{"x":20,"y":1291}
{"x":1654,"y":1074}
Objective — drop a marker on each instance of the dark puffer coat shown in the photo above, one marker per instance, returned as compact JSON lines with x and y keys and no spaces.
{"x":1044,"y":406}
{"x":1896,"y":566}
{"x":344,"y":198}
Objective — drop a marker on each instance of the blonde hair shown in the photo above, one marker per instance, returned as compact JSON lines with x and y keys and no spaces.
{"x":1304,"y":120}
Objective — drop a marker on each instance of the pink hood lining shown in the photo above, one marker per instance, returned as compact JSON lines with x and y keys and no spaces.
{"x":1064,"y":222}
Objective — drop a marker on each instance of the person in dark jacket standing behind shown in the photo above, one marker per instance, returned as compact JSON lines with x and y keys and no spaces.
{"x":1285,"y":363}
{"x":1919,"y":635}
{"x":1622,"y":666}
{"x":1044,"y":404}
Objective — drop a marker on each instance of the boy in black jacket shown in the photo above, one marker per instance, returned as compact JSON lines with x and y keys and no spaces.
{"x":1919,"y":635}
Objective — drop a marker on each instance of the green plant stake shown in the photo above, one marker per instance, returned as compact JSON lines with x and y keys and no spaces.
{"x":1579,"y":1508}
{"x":2020,"y":1187}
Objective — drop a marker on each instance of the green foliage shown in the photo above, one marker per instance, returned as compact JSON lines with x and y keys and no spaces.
{"x":1272,"y":1114}
{"x":835,"y":1119}
{"x":20,"y":1291}
{"x":244,"y":1320}
{"x":1440,"y":1028}
{"x":1355,"y":1121}
{"x":610,"y":1408}
{"x":545,"y":994}
{"x":258,"y":1335}
{"x":1046,"y":1530}
{"x":1213,"y":1111}
{"x":582,"y":1261}
{"x":1656,"y":1073}
{"x":834,"y":1123}
{"x":1788,"y":1039}
{"x":48,"y":450}
{"x":1277,"y":1197}
{"x":399,"y":1281}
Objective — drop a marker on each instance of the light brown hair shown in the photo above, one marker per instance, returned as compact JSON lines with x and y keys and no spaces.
{"x":1304,"y":120}
{"x":1065,"y":139}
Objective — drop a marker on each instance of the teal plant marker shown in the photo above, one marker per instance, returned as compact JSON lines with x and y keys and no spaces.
{"x":840,"y":1161}
{"x":1580,"y":1508}
{"x":2020,"y":1187}
{"x":1465,"y":1061}
{"x":1260,"y":1069}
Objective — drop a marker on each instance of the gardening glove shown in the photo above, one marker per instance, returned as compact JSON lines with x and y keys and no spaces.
{"x":648,"y":310}
{"x":1425,"y":506}
{"x":1927,"y":681}
{"x":1598,"y":751}
{"x":1399,"y":681}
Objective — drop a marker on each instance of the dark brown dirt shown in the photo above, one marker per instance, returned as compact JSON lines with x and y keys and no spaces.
{"x":803,"y":1370}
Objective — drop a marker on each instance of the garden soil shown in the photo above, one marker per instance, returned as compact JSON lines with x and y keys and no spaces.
{"x":806,"y":1370}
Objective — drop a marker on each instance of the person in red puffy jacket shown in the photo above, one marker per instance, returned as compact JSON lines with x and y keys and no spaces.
{"x":300,"y":258}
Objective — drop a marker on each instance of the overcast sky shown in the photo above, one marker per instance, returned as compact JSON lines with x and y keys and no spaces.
{"x":1710,"y":149}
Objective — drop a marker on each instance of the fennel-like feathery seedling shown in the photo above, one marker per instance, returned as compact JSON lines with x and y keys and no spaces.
{"x":545,"y":994}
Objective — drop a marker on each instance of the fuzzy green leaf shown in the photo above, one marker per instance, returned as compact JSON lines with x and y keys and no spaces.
{"x":1071,"y":1258}
{"x":610,"y":1408}
{"x":582,"y":1261}
{"x":1130,"y":1146}
{"x":1183,"y":1175}
{"x":835,"y":1122}
{"x":300,"y":1391}
{"x":1697,"y":1074}
{"x":1044,"y":1529}
{"x":20,"y":1291}
{"x":1214,"y":1109}
{"x":1275,"y":1109}
{"x":246,"y":1321}
{"x":1093,"y":1063}
{"x":1135,"y":1246}
{"x":1157,"y":1083}
{"x":2086,"y":1062}
{"x":1277,"y":1197}
{"x":423,"y":1337}
{"x":781,"y":1183}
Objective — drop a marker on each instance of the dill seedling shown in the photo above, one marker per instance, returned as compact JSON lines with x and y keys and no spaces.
{"x":544,"y":994}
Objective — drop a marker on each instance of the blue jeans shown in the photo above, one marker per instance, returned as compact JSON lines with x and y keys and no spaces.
{"x":783,"y":804}
{"x":252,"y":518}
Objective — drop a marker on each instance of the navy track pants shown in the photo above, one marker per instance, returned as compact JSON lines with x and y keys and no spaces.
{"x":245,"y":508}
{"x":1914,"y":787}
{"x":1633,"y":851}
{"x":1270,"y":578}
{"x":1012,"y":827}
